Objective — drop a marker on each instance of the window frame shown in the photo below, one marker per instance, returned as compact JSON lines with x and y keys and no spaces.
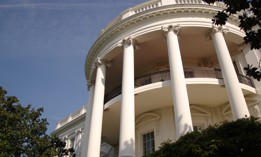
{"x":150,"y":150}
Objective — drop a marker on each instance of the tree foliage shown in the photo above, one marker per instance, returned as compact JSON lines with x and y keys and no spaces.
{"x":240,"y":138}
{"x":23,"y":131}
{"x":249,"y":14}
{"x":253,"y":72}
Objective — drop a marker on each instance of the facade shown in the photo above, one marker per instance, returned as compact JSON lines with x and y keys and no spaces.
{"x":159,"y":70}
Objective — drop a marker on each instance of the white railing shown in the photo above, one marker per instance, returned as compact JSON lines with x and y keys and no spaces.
{"x":71,"y":117}
{"x":151,"y":5}
{"x":131,"y":11}
{"x":189,"y":2}
{"x":146,"y":6}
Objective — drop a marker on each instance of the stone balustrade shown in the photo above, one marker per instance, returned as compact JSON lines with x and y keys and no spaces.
{"x":151,"y":5}
{"x":189,"y":73}
{"x":70,"y":118}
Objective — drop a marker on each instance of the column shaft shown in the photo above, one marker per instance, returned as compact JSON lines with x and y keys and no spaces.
{"x":127,"y":124}
{"x":182,"y":113}
{"x":94,"y":143}
{"x":88,"y":108}
{"x":235,"y":94}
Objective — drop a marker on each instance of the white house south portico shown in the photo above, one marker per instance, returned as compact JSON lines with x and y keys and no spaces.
{"x":160,"y":70}
{"x":179,"y":92}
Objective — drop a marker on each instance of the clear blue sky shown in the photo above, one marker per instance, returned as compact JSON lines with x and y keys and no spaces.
{"x":43,"y":45}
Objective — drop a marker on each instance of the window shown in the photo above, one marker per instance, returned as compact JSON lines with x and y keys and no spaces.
{"x":148,"y":143}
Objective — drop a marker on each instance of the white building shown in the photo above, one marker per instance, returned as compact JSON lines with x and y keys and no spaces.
{"x":157,"y":71}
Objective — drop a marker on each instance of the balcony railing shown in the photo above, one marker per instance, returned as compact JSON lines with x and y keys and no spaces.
{"x":189,"y":73}
{"x":154,"y":4}
{"x":71,"y":117}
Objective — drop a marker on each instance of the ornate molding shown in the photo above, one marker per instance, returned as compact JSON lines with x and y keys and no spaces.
{"x":129,"y":41}
{"x":214,"y":30}
{"x":89,"y":85}
{"x":146,"y":118}
{"x":101,"y":62}
{"x":221,"y":29}
{"x":175,"y":29}
{"x":78,"y":131}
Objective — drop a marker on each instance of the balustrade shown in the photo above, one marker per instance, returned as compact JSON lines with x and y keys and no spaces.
{"x":189,"y":73}
{"x":189,"y":2}
{"x":151,"y":5}
{"x":71,"y":117}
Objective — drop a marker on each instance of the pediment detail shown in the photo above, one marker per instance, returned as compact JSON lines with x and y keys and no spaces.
{"x":146,"y":118}
{"x":197,"y":110}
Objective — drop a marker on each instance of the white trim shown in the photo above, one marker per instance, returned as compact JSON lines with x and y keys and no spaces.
{"x":189,"y":81}
{"x":149,"y":124}
{"x":139,"y":121}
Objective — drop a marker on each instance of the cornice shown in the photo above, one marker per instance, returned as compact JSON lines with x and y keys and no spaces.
{"x":74,"y":122}
{"x":139,"y":17}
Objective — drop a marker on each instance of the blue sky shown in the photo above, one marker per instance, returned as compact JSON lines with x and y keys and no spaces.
{"x":43,"y":45}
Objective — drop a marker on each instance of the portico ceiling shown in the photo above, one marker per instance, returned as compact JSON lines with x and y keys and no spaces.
{"x":151,"y":49}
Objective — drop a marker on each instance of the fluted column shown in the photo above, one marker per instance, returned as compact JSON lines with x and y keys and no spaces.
{"x":88,"y":108}
{"x":235,"y":94}
{"x":182,"y":113}
{"x":127,"y":121}
{"x":94,"y":137}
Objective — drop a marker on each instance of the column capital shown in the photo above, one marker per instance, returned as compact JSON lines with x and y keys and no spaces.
{"x":129,"y":41}
{"x":78,"y":131}
{"x":101,"y":62}
{"x":216,"y":29}
{"x":221,"y":29}
{"x":89,"y":85}
{"x":173,"y":28}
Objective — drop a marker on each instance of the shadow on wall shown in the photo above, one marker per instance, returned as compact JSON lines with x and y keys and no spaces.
{"x":128,"y":150}
{"x":182,"y":128}
{"x":78,"y":147}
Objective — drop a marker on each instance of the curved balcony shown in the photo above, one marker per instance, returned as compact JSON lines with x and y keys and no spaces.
{"x":189,"y":73}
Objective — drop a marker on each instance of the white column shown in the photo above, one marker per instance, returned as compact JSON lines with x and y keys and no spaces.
{"x":235,"y":94}
{"x":88,"y":108}
{"x":94,"y":137}
{"x":77,"y":141}
{"x":127,"y":122}
{"x":182,"y":113}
